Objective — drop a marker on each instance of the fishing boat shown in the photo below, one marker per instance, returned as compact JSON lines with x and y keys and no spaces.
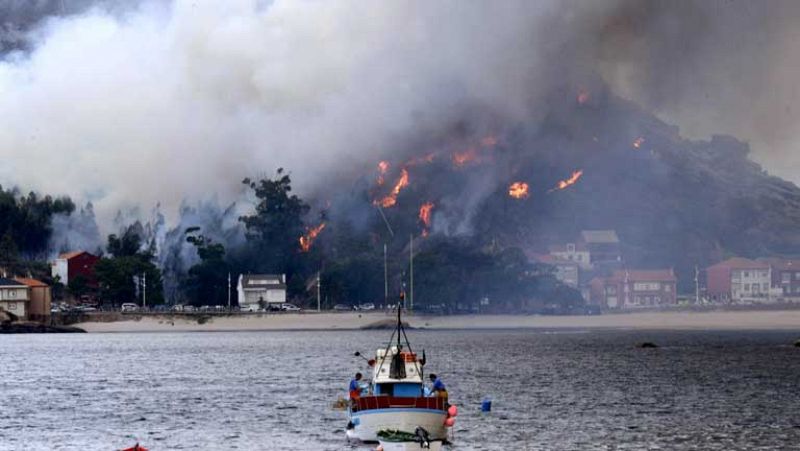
{"x":395,"y":398}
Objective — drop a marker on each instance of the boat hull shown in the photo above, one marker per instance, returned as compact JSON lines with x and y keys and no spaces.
{"x":367,"y":423}
{"x":409,"y":446}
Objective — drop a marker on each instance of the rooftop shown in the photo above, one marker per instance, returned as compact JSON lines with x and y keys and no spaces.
{"x":644,"y":275}
{"x":10,"y":283}
{"x":740,"y":263}
{"x":69,"y":255}
{"x":785,"y":264}
{"x":33,"y":283}
{"x":600,"y":236}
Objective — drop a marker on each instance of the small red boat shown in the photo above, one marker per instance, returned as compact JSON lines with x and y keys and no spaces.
{"x":136,"y":447}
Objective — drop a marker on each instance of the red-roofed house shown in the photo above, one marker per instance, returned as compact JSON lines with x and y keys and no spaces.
{"x":739,"y":280}
{"x":40,"y":298}
{"x":631,"y":288}
{"x":73,"y":264}
{"x":785,"y":276}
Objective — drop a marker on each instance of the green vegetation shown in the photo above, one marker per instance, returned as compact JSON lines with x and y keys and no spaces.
{"x":115,"y":273}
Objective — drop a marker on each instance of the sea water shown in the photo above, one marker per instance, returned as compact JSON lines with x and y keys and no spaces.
{"x":566,"y":390}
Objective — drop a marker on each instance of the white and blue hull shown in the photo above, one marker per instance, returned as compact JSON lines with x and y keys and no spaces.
{"x":367,"y":423}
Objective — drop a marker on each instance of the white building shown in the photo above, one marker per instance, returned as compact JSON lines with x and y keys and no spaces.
{"x":254,"y":289}
{"x":14,"y":297}
{"x":572,"y":252}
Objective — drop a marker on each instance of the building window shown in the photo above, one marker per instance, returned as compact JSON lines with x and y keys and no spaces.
{"x":570,"y":247}
{"x":786,"y":277}
{"x":611,"y":290}
{"x":747,"y":287}
{"x":12,"y":294}
{"x":765,"y":287}
{"x":12,"y":305}
{"x":646,"y":286}
{"x":667,"y":287}
{"x":797,"y":275}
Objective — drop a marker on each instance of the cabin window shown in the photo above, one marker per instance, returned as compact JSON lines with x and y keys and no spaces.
{"x":12,"y":305}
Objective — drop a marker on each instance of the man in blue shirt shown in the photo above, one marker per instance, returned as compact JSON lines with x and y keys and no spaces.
{"x":355,"y":389}
{"x":439,"y":390}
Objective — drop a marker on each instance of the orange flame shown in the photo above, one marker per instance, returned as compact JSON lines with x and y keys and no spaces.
{"x":391,"y":199}
{"x":308,"y":239}
{"x":489,"y":141}
{"x":570,"y":181}
{"x":518,"y":190}
{"x":462,"y":158}
{"x":383,"y":167}
{"x":421,"y":160}
{"x":425,"y":213}
{"x":637,"y":143}
{"x":583,"y":96}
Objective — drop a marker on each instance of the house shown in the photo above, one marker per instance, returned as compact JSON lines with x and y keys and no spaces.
{"x":739,"y":280}
{"x":572,"y":252}
{"x":40,"y":296}
{"x":254,"y":289}
{"x":785,"y":277}
{"x":70,"y":265}
{"x":565,"y":271}
{"x":603,"y":245}
{"x":14,"y":297}
{"x":632,"y":288}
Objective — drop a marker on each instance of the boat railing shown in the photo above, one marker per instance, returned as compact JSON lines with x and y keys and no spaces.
{"x":390,"y":402}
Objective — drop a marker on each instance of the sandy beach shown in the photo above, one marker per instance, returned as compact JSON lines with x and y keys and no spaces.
{"x":714,"y":320}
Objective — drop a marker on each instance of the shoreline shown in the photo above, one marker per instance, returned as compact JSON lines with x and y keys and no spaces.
{"x":353,"y":321}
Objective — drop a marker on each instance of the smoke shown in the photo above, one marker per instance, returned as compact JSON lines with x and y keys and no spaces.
{"x":77,"y":230}
{"x":160,"y":102}
{"x":164,"y":103}
{"x":709,"y":66}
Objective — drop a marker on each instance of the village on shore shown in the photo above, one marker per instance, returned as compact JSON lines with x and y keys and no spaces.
{"x":593,"y":264}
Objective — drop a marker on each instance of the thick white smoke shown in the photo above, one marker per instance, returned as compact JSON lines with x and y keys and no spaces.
{"x":169,"y":102}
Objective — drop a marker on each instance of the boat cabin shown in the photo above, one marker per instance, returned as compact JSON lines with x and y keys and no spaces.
{"x":397,"y":373}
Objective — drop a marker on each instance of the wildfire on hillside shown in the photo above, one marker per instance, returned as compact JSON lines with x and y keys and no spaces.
{"x":489,"y":141}
{"x":637,"y":143}
{"x":425,"y":216}
{"x":425,"y":159}
{"x":383,"y":167}
{"x":308,"y":239}
{"x":583,"y":96}
{"x":518,"y":190}
{"x":391,"y":199}
{"x":467,"y":156}
{"x":570,"y":181}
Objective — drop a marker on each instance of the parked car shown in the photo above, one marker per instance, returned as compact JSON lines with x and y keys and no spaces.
{"x":189,"y":308}
{"x":342,"y":307}
{"x":248,"y":308}
{"x":85,"y":308}
{"x":367,"y":306}
{"x":290,"y":308}
{"x":129,"y":307}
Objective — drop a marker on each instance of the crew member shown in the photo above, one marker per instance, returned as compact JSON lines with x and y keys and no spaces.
{"x":439,"y":390}
{"x":355,"y":390}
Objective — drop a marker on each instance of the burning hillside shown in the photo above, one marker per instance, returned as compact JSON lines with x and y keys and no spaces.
{"x":674,"y":202}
